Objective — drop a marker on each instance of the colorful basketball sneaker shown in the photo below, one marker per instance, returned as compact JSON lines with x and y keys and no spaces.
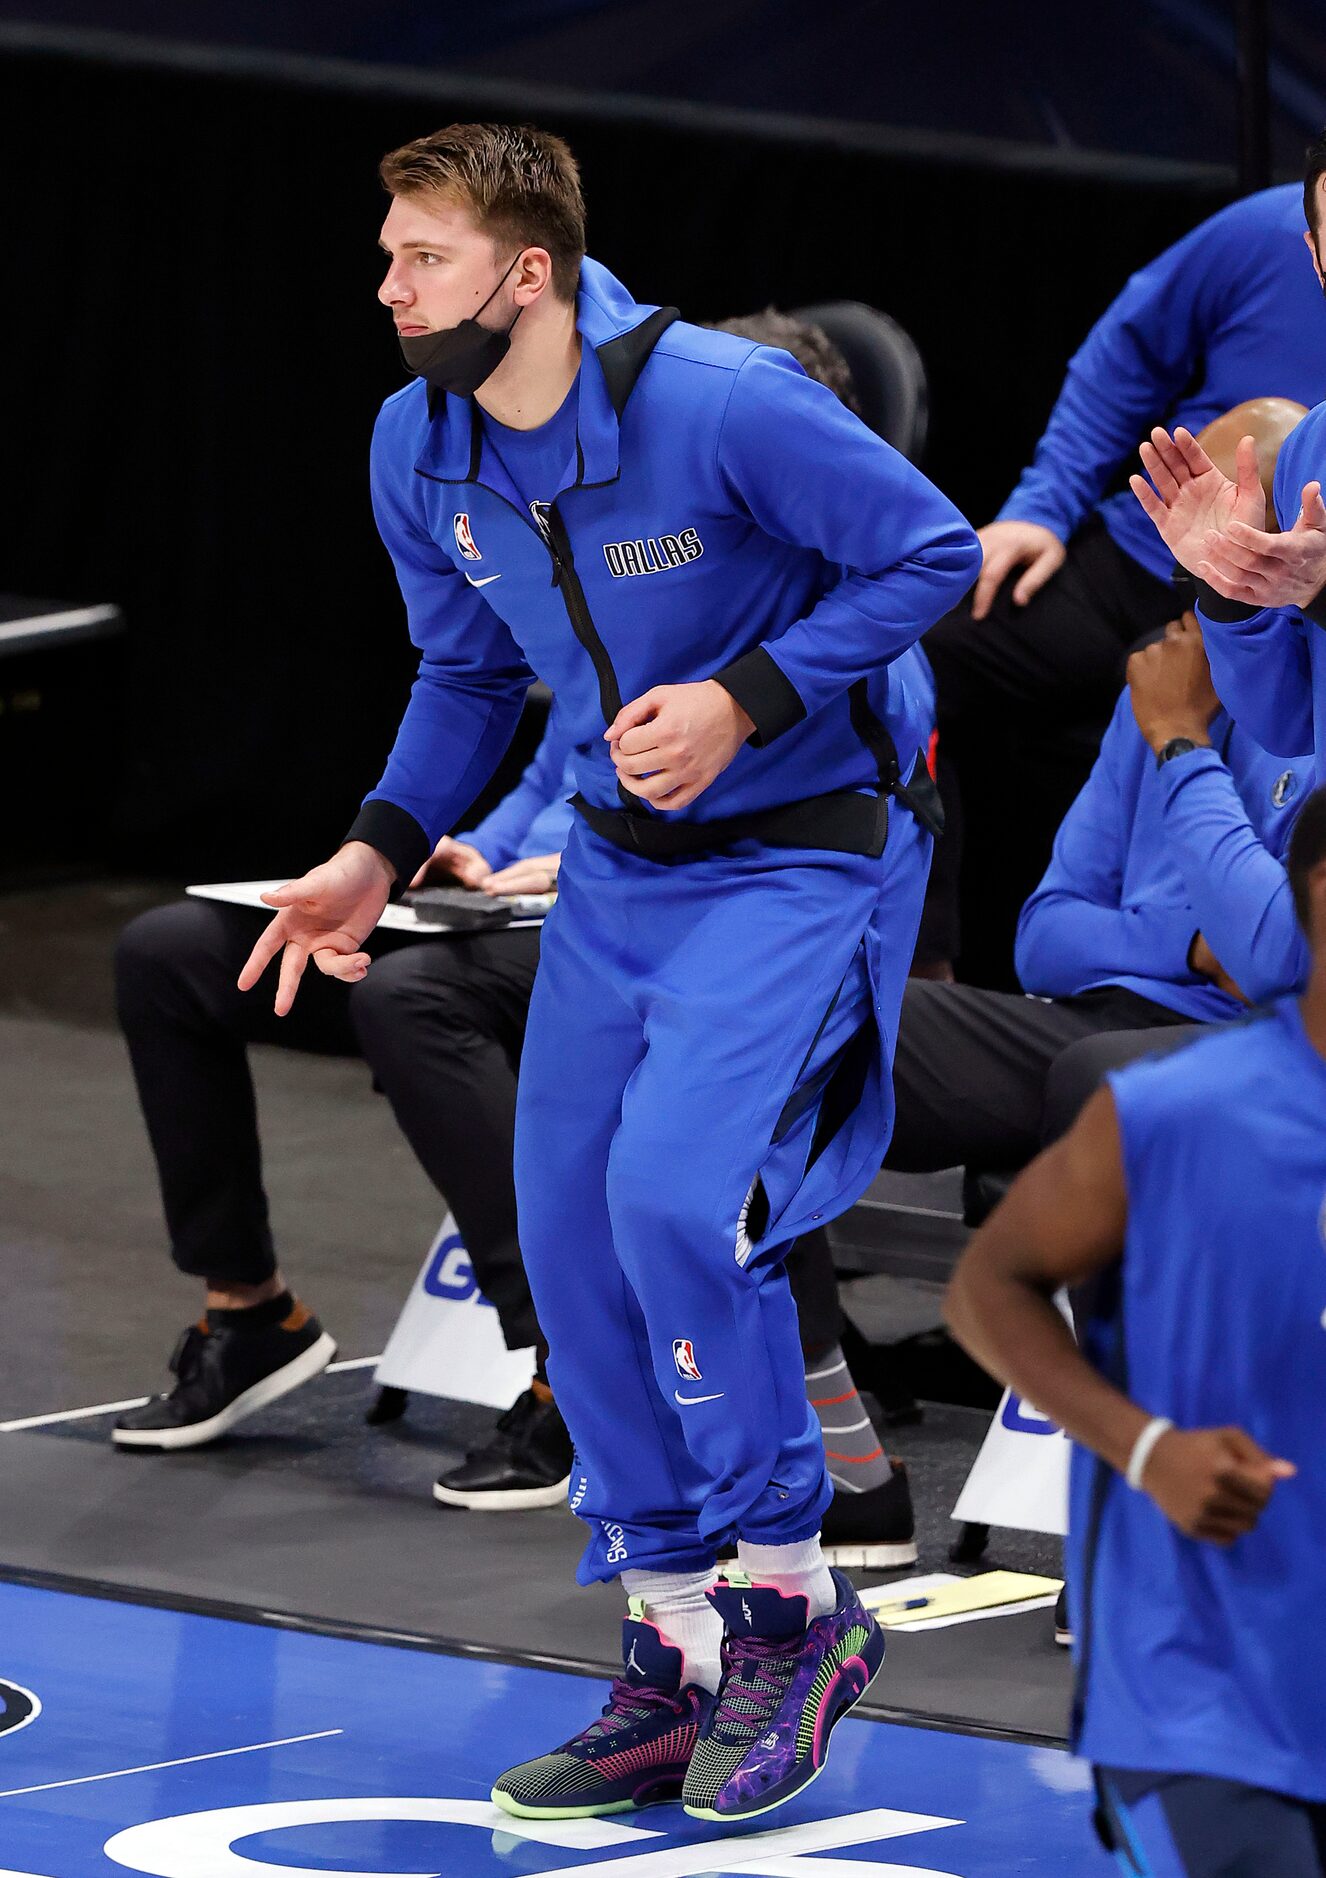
{"x":785,"y":1686}
{"x":637,"y":1751}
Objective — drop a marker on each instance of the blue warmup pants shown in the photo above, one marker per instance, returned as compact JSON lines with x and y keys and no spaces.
{"x":1193,"y":1826}
{"x":686,"y":1019}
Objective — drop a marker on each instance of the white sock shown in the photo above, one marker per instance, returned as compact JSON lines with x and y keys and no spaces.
{"x":676,"y":1604}
{"x":795,"y":1570}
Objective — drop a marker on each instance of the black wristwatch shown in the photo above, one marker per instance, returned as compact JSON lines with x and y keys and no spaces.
{"x":1177,"y":746}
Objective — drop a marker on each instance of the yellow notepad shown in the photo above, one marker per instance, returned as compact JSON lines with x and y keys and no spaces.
{"x":980,"y":1593}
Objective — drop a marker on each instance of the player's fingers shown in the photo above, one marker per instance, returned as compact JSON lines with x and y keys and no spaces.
{"x":1312,"y":513}
{"x":640,"y":740}
{"x":293,"y":961}
{"x":1041,"y":569}
{"x":1190,"y":454}
{"x":351,"y":966}
{"x":1148,"y":498}
{"x":1242,"y":1487}
{"x":629,"y":766}
{"x":638,"y":711}
{"x":293,"y":891}
{"x":270,"y":941}
{"x":1257,"y":541}
{"x":998,"y":564}
{"x":1160,"y":471}
{"x":1239,"y":553}
{"x":1233,"y":585}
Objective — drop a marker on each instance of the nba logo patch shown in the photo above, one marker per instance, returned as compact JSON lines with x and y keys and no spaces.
{"x":683,"y":1355}
{"x":464,"y":539}
{"x":1284,"y":788}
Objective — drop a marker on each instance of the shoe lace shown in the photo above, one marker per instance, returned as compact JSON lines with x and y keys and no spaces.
{"x":628,"y":1704}
{"x":759,"y":1671}
{"x":187,"y":1356}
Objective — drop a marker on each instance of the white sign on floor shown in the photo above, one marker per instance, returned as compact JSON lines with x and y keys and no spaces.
{"x":1020,"y":1476}
{"x":447,"y":1339}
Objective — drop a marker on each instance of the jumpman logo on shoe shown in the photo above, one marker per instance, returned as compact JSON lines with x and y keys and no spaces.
{"x":631,"y":1662}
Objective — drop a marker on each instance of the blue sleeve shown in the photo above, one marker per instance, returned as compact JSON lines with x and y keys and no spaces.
{"x":504,"y":836}
{"x":466,"y":701}
{"x":1241,"y":897}
{"x":1073,"y":932}
{"x":808,"y":472}
{"x":549,"y":830}
{"x":1130,"y":369}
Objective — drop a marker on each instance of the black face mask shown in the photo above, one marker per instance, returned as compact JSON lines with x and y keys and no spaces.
{"x":459,"y":358}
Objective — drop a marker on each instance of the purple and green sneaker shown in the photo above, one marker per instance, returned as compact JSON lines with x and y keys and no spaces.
{"x":637,"y":1751}
{"x":785,"y":1685}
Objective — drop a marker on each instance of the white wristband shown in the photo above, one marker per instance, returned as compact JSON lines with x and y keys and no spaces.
{"x":1142,"y":1449}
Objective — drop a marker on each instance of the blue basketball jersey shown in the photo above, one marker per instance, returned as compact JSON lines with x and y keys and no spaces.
{"x":1195,"y":1659}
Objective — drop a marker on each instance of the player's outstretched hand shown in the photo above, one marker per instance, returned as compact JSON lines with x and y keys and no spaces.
{"x":326,"y":916}
{"x":1212,"y":1483}
{"x":1189,"y":499}
{"x":1007,"y":546}
{"x":1260,"y":569}
{"x":669,"y":745}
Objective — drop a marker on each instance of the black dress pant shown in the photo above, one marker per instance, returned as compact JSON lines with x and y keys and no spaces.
{"x":440,"y":1023}
{"x":984,"y":1079}
{"x":1023,"y":698}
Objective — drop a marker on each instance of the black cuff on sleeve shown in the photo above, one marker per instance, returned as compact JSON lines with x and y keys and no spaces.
{"x":765,"y":693}
{"x":1315,"y":610}
{"x":1216,"y":607}
{"x":396,"y":836}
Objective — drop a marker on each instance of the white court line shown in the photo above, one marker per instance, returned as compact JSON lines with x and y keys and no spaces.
{"x":187,"y":1760}
{"x":113,"y":1408}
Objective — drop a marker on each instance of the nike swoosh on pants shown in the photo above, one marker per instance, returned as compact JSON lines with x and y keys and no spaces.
{"x":487,"y":580}
{"x":687,"y":1400}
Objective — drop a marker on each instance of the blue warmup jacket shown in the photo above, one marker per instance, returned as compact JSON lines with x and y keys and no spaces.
{"x":1195,"y":1658}
{"x":1233,"y":311}
{"x":729,"y":518}
{"x":1270,"y":664}
{"x":1147,"y":858}
{"x":535,"y":818}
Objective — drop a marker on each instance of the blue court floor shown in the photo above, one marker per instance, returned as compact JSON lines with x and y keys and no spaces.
{"x":193,"y":1747}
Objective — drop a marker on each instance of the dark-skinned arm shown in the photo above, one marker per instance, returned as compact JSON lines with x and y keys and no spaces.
{"x":1064,"y":1221}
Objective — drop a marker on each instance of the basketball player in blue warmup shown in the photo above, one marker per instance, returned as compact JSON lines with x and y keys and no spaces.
{"x":715,"y":567}
{"x":1189,"y":1198}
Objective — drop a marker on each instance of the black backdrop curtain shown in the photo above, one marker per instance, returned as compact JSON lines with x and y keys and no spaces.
{"x":192,"y":358}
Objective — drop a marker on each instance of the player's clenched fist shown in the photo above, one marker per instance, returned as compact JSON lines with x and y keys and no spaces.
{"x":326,"y":915}
{"x":669,"y":745}
{"x":1212,"y":1483}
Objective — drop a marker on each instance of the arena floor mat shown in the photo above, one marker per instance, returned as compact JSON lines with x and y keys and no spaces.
{"x":309,"y":1517}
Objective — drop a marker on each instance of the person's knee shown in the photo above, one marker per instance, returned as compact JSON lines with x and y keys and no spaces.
{"x":1074,"y":1077}
{"x":397,"y":996}
{"x":648,"y":1194}
{"x":169,"y":942}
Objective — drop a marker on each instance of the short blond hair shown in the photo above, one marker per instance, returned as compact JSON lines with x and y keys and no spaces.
{"x":522,"y":186}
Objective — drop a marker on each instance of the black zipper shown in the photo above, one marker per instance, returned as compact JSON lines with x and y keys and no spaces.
{"x":567,"y":582}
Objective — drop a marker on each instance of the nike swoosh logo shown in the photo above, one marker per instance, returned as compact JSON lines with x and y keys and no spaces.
{"x":487,"y":580}
{"x":687,"y":1400}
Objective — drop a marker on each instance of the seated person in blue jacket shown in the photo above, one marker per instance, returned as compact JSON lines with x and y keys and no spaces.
{"x":1165,"y":907}
{"x":440,"y":1022}
{"x":1028,"y":666}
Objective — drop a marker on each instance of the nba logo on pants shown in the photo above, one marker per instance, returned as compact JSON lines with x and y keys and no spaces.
{"x":683,"y":1355}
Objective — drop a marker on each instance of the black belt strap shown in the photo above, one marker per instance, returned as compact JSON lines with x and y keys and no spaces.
{"x":843,"y":821}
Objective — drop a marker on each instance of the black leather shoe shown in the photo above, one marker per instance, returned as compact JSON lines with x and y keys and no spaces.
{"x":875,"y":1529}
{"x":527,"y":1463}
{"x":224,"y":1375}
